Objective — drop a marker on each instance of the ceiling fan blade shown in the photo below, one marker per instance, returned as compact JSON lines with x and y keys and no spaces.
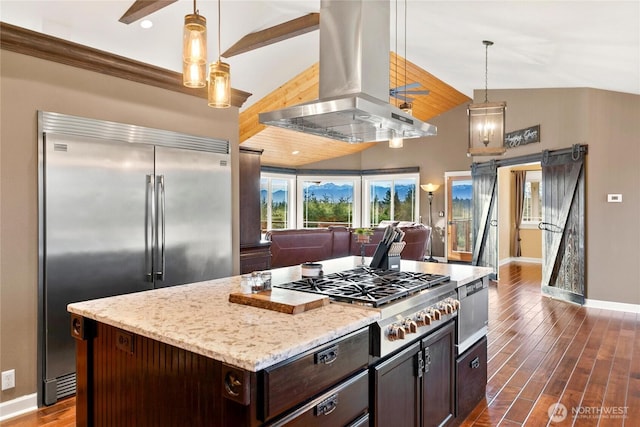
{"x":274,"y":34}
{"x":407,"y":86}
{"x":141,"y":8}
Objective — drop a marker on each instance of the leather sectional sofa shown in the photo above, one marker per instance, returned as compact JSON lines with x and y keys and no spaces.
{"x":292,"y":247}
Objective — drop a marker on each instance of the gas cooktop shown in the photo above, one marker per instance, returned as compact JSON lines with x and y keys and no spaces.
{"x":367,"y":286}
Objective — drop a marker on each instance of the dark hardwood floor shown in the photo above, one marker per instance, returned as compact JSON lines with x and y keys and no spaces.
{"x":542,"y":353}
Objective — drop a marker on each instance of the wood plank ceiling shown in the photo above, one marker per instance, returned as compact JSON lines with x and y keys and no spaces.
{"x":279,"y":144}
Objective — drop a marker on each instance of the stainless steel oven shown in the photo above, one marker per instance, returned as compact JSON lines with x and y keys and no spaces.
{"x":473,"y":316}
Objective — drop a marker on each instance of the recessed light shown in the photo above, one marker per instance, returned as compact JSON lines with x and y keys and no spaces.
{"x":146,"y":24}
{"x":295,"y":152}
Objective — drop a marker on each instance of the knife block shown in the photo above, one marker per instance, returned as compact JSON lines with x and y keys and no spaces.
{"x":391,"y":262}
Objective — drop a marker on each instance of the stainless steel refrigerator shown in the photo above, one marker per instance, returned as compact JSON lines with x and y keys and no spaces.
{"x":123,"y":209}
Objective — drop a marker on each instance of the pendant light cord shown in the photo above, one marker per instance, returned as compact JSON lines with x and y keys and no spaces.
{"x":396,"y":56}
{"x":486,"y":69}
{"x":405,"y":49}
{"x":195,"y":12}
{"x":219,"y":20}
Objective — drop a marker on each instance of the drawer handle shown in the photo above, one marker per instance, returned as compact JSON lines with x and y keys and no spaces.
{"x":327,"y":356}
{"x":327,"y":406}
{"x":475,"y":363}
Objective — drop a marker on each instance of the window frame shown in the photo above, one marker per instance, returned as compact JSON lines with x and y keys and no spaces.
{"x":291,"y":208}
{"x":532,"y":176}
{"x":356,"y":202}
{"x":393,"y":177}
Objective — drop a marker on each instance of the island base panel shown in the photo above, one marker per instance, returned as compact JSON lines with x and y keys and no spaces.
{"x":130,"y":380}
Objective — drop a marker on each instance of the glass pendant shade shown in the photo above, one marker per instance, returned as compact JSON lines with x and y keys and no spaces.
{"x":194,"y":51}
{"x":219,"y":85}
{"x":396,"y":141}
{"x":486,"y":128}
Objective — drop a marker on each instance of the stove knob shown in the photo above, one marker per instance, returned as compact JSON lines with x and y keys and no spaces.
{"x":420,"y":318}
{"x":400,"y":332}
{"x":411,"y":327}
{"x":455,"y":304}
{"x":435,"y":314}
{"x":396,"y":333}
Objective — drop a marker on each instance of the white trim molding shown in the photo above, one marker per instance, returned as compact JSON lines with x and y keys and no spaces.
{"x":18,"y":406}
{"x":612,"y":305}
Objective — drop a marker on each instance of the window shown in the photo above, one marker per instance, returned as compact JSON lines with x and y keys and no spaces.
{"x":276,"y":201}
{"x":532,"y":204}
{"x":390,"y":197}
{"x":325,"y":201}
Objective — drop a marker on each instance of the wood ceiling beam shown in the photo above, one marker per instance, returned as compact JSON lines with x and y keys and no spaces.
{"x":141,"y":8}
{"x":274,"y":34}
{"x":27,"y":42}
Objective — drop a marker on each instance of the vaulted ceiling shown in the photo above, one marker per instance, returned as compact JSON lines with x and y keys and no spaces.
{"x":537,"y":45}
{"x":292,"y":149}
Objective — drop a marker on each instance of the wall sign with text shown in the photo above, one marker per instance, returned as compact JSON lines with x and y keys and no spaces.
{"x":522,"y":137}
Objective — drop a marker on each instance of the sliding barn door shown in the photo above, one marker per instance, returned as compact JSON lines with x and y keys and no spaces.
{"x":485,"y":216}
{"x":563,"y":224}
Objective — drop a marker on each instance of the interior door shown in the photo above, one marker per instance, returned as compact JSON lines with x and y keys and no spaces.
{"x":459,"y":217}
{"x":563,"y":224}
{"x":485,"y":216}
{"x":193,"y":190}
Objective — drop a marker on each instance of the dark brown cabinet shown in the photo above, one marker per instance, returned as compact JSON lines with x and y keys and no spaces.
{"x":255,"y":254}
{"x":415,"y":386}
{"x":471,"y":378}
{"x":438,"y":377}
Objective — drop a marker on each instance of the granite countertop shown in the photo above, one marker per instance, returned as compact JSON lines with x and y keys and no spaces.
{"x":198,"y":317}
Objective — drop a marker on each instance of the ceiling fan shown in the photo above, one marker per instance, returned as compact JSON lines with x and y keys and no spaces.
{"x":404,"y":93}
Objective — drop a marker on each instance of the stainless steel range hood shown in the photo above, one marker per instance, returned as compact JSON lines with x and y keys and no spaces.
{"x":354,"y":80}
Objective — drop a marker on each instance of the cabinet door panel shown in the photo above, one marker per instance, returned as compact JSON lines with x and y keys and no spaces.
{"x":397,"y":390}
{"x":437,"y":394}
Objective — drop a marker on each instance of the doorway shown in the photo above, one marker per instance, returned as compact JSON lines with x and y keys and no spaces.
{"x":459,"y":216}
{"x":562,"y":223}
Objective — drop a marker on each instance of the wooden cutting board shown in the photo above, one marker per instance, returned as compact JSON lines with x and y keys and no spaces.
{"x":281,"y":300}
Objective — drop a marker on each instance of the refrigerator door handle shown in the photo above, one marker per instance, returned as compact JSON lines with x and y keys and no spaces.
{"x":149,"y":231}
{"x":161,"y":211}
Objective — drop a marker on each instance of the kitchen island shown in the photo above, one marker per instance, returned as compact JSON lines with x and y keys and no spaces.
{"x":185,"y":355}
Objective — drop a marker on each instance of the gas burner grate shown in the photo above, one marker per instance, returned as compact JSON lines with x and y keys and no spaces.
{"x":363,"y":285}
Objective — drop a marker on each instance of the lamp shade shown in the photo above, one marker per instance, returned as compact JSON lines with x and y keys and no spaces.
{"x":396,"y":141}
{"x":219,"y":94}
{"x":486,"y":128}
{"x":194,"y":51}
{"x":430,"y":188}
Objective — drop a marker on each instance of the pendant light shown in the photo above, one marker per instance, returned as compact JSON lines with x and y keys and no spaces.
{"x":486,"y":121}
{"x":219,"y":94}
{"x":194,"y":50}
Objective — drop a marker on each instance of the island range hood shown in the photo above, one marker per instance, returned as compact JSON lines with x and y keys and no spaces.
{"x":354,"y":80}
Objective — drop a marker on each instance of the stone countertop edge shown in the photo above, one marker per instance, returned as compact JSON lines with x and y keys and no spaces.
{"x":198,"y":317}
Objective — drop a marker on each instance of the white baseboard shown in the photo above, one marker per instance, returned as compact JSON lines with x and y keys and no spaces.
{"x":520,"y":259}
{"x":611,"y":305}
{"x":18,"y":406}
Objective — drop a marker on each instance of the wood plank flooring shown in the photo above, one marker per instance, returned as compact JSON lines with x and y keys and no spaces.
{"x":542,"y":353}
{"x":583,"y":363}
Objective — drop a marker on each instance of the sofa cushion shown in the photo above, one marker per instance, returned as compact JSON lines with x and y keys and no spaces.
{"x":292,"y":247}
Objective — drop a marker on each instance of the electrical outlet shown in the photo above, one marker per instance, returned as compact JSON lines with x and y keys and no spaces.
{"x":8,"y":379}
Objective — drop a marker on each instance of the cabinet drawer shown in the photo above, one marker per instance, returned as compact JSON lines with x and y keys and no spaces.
{"x":340,"y":406}
{"x":471,"y":378}
{"x":294,"y":381}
